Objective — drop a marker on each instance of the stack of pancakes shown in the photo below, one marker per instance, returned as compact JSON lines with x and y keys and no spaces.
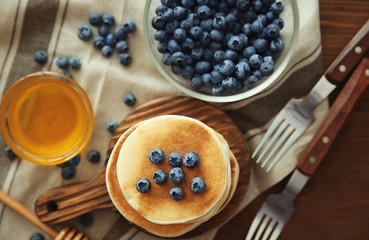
{"x":156,"y":211}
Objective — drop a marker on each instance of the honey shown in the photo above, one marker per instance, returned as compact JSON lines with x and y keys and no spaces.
{"x":47,"y":118}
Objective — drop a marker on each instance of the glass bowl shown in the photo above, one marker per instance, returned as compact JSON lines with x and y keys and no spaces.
{"x":46,"y":118}
{"x":288,"y":33}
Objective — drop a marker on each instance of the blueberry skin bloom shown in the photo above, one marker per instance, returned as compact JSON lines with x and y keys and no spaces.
{"x":99,"y":41}
{"x":108,"y":20}
{"x":111,"y":126}
{"x":156,"y":156}
{"x":175,"y":159}
{"x":84,"y":32}
{"x":177,"y":175}
{"x":191,"y":159}
{"x":62,"y":62}
{"x":129,"y":99}
{"x":95,"y":19}
{"x":107,"y":51}
{"x":143,"y":185}
{"x":176,"y":193}
{"x":197,"y":185}
{"x":129,"y":25}
{"x":160,"y":177}
{"x":75,"y":63}
{"x":40,"y":57}
{"x":125,"y":59}
{"x":94,"y":156}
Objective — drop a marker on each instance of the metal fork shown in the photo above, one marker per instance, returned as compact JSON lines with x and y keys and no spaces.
{"x":298,"y":114}
{"x":279,"y":208}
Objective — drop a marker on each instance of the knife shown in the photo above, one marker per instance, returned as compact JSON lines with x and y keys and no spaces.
{"x":327,"y":133}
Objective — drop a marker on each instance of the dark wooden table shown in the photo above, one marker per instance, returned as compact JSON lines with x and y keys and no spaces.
{"x":335,"y":202}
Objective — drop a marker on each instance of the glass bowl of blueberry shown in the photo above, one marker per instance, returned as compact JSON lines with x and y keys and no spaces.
{"x":221,"y":50}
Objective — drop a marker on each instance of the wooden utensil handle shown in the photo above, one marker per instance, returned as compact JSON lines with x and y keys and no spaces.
{"x":70,"y":201}
{"x":350,"y":56}
{"x":336,"y":118}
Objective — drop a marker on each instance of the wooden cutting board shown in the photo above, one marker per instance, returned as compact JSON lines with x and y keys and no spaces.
{"x":66,"y":202}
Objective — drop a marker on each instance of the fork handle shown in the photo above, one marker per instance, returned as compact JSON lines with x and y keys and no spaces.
{"x":336,"y":118}
{"x":350,"y":56}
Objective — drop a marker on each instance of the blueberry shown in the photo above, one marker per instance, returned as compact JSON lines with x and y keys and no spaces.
{"x":248,"y":51}
{"x":84,"y":32}
{"x":242,"y":4}
{"x":121,"y":46}
{"x":9,"y":153}
{"x":206,"y":80}
{"x":86,"y":220}
{"x":277,"y":7}
{"x":107,"y":51}
{"x":160,"y":9}
{"x":69,"y":171}
{"x":158,"y":23}
{"x":219,"y":56}
{"x":191,"y":159}
{"x":271,"y":15}
{"x":202,"y":67}
{"x":197,"y":185}
{"x":188,"y":72}
{"x":236,"y":43}
{"x":179,"y":35}
{"x":176,"y":193}
{"x":247,"y":29}
{"x":219,"y":23}
{"x":257,"y":5}
{"x":108,"y":20}
{"x":229,"y":82}
{"x":196,"y":82}
{"x":169,"y":3}
{"x":206,"y":24}
{"x":125,"y":59}
{"x":268,"y":59}
{"x":217,"y":89}
{"x":231,"y":55}
{"x":129,"y":99}
{"x":129,"y":25}
{"x":160,"y":177}
{"x":216,"y":77}
{"x":95,"y":19}
{"x":250,"y":81}
{"x":171,"y":26}
{"x":74,"y":63}
{"x":196,"y":32}
{"x":205,"y":38}
{"x":98,"y":41}
{"x":262,"y":18}
{"x":156,"y":156}
{"x":121,"y":33}
{"x":104,"y":30}
{"x":216,"y":35}
{"x":186,"y":24}
{"x":194,"y":18}
{"x":94,"y":156}
{"x":203,"y":11}
{"x":188,"y":3}
{"x":180,"y":13}
{"x":161,"y":35}
{"x":111,"y":126}
{"x":257,"y":26}
{"x":279,"y":22}
{"x":213,"y":46}
{"x":162,"y":47}
{"x":111,"y":40}
{"x":249,"y":15}
{"x":67,"y":74}
{"x":242,"y":70}
{"x":266,"y":68}
{"x":62,"y":62}
{"x":261,"y":45}
{"x":187,"y":45}
{"x":175,"y":159}
{"x":202,"y":2}
{"x":37,"y":236}
{"x":143,"y":185}
{"x":176,"y":69}
{"x":227,"y":67}
{"x":255,"y":60}
{"x":197,"y":53}
{"x":178,"y":58}
{"x":177,"y":175}
{"x":173,"y":46}
{"x":277,"y":45}
{"x":231,"y":20}
{"x":168,"y":14}
{"x":166,"y":58}
{"x":75,"y":160}
{"x":40,"y":57}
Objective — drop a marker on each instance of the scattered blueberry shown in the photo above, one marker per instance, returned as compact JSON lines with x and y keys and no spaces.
{"x":84,"y":32}
{"x":197,"y":82}
{"x":197,"y":185}
{"x":75,"y":160}
{"x":108,"y":20}
{"x":276,"y":45}
{"x":40,"y":57}
{"x":160,"y":177}
{"x":107,"y":51}
{"x":86,"y":220}
{"x":121,"y":33}
{"x":156,"y":156}
{"x":129,"y":99}
{"x":175,"y":159}
{"x":129,"y":25}
{"x":177,"y":175}
{"x":95,"y":19}
{"x":176,"y":193}
{"x":111,"y":126}
{"x":266,"y":68}
{"x":143,"y":185}
{"x":69,"y":171}
{"x":98,"y":41}
{"x":62,"y":62}
{"x":191,"y":159}
{"x":37,"y":236}
{"x":104,"y":30}
{"x":74,"y":63}
{"x":9,"y":153}
{"x":67,"y":74}
{"x":125,"y":59}
{"x":111,"y":40}
{"x":121,"y":46}
{"x":94,"y":156}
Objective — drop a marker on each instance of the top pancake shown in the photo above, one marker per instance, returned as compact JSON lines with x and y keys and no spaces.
{"x":173,"y":134}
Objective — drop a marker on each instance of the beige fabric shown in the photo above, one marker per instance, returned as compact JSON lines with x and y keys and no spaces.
{"x":106,"y":81}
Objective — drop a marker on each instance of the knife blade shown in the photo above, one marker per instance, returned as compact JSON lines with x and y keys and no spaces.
{"x":329,"y":129}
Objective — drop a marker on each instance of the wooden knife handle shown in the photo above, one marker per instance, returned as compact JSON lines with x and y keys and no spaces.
{"x":336,"y":118}
{"x":350,"y":56}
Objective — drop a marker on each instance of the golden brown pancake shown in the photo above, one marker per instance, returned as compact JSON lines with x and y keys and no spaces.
{"x":171,"y":230}
{"x":174,"y":134}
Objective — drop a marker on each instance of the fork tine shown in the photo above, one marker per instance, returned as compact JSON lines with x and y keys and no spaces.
{"x":254,"y":225}
{"x":270,"y":228}
{"x":295,"y":135}
{"x":262,"y":227}
{"x":283,"y":138}
{"x":276,"y":135}
{"x":269,"y":132}
{"x":277,"y":231}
